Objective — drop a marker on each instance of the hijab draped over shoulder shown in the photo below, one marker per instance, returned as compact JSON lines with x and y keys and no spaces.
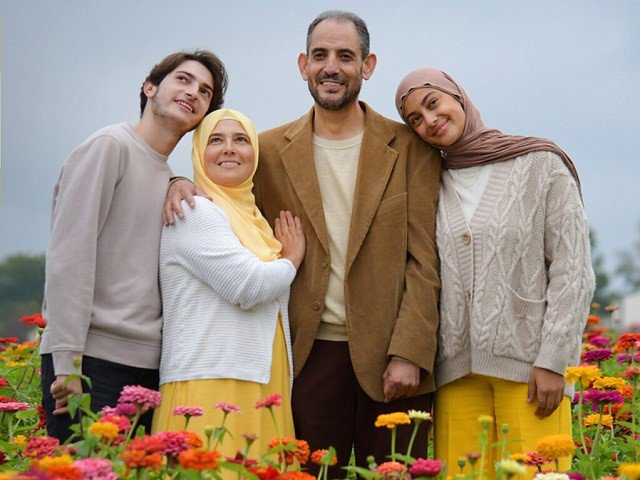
{"x":478,"y":144}
{"x":247,"y":222}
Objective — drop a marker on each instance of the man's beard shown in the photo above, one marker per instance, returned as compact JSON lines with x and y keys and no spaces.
{"x":348,"y":98}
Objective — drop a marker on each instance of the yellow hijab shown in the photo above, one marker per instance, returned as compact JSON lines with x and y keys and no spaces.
{"x":247,"y":221}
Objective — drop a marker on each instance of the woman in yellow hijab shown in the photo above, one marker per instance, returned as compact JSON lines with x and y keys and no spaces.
{"x":225,"y":281}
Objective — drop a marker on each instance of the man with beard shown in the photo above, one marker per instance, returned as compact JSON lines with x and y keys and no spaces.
{"x":363,"y":306}
{"x":102,"y":299}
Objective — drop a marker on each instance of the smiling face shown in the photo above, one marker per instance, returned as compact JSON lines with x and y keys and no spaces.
{"x":183,"y":96}
{"x":229,"y":159}
{"x":436,"y":116}
{"x":333,"y":67}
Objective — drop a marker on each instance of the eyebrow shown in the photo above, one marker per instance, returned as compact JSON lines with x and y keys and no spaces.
{"x":193,"y":77}
{"x":341,"y":50}
{"x":425,"y":99}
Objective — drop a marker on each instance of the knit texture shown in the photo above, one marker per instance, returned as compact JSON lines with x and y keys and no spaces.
{"x":221,"y":302}
{"x":517,"y":279}
{"x":101,"y":295}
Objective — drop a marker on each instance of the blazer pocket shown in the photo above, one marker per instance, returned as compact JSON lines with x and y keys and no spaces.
{"x":395,"y":204}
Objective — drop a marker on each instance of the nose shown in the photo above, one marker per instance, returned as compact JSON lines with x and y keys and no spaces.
{"x":432,"y":119}
{"x":192,"y":90}
{"x":331,"y":66}
{"x":229,"y":147}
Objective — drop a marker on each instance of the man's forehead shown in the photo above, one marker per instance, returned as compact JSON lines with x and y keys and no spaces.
{"x":334,"y":31}
{"x":197,"y":70}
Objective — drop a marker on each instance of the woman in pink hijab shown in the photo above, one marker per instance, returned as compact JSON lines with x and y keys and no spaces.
{"x":515,"y":269}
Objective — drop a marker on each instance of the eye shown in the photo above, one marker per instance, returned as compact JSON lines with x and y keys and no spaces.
{"x":346,"y":58}
{"x":433,"y":103}
{"x":205,"y":92}
{"x":318,"y":56}
{"x":183,"y":78}
{"x":214,"y":140}
{"x":415,"y":120}
{"x":242,"y":139}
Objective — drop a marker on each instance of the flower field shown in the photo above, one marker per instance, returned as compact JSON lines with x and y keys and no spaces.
{"x":108,"y":445}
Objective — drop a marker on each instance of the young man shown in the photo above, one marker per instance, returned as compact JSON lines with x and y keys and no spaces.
{"x":363,"y":306}
{"x":102,"y":300}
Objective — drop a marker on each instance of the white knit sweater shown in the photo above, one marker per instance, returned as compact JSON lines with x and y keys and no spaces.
{"x":517,"y":279}
{"x":220,"y":301}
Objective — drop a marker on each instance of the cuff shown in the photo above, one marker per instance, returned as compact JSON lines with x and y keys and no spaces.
{"x":63,"y":362}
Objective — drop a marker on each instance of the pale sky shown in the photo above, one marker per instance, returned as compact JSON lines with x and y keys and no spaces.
{"x":565,"y":70}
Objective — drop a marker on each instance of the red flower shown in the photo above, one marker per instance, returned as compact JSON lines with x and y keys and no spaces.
{"x":38,"y":447}
{"x":265,"y":473}
{"x":270,"y":401}
{"x":34,"y":320}
{"x":141,"y":459}
{"x":297,"y":476}
{"x":148,"y":443}
{"x":627,"y":341}
{"x":9,"y":340}
{"x":3,"y":382}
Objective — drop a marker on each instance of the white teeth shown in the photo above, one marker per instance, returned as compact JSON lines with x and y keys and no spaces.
{"x":186,"y":105}
{"x":229,"y":164}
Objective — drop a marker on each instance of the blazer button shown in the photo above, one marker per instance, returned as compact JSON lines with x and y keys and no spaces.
{"x":466,"y":238}
{"x":316,"y":306}
{"x":325,"y":263}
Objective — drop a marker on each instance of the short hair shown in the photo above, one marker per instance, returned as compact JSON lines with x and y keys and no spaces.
{"x":169,"y":63}
{"x":343,"y":16}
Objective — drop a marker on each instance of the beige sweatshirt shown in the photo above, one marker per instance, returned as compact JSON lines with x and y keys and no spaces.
{"x":102,"y":297}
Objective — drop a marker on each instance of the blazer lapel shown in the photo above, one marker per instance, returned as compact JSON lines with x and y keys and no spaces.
{"x":297,"y":158}
{"x":374,"y":169}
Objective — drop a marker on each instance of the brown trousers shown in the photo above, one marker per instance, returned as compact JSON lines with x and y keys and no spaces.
{"x":331,"y":409}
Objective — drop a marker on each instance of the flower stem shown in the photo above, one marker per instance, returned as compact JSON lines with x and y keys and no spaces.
{"x":393,"y":444}
{"x":413,"y":436}
{"x":580,"y":418}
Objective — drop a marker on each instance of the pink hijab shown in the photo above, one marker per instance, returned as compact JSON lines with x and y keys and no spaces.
{"x":478,"y":144}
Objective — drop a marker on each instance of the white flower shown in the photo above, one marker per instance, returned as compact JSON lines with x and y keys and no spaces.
{"x":419,"y":415}
{"x":551,"y":476}
{"x":511,"y":467}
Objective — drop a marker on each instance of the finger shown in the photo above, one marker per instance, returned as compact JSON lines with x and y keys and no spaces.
{"x":389,"y":390}
{"x":531,"y":391}
{"x":61,"y":411}
{"x":277,"y":230}
{"x":542,"y":407}
{"x":290,"y":223}
{"x":176,"y":206}
{"x":298,"y":226}
{"x":188,"y":196}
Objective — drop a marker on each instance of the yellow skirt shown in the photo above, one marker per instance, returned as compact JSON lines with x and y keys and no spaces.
{"x":244,"y":394}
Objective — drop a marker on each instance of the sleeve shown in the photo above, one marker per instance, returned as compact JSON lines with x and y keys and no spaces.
{"x":207,"y":247}
{"x":570,"y":274}
{"x":415,"y":334}
{"x":82,"y":199}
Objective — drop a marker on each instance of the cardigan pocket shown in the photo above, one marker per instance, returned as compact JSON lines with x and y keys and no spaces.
{"x":519,"y":330}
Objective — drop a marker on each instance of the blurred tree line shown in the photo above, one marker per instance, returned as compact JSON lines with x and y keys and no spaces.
{"x":22,"y":283}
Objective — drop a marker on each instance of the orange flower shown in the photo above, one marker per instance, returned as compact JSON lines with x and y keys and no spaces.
{"x":300,"y":449}
{"x":195,"y":440}
{"x":141,"y":459}
{"x":611,"y":308}
{"x":198,"y":459}
{"x":316,"y":457}
{"x":297,"y":476}
{"x":626,"y":391}
{"x":593,"y":320}
{"x":614,"y":409}
{"x":61,"y":472}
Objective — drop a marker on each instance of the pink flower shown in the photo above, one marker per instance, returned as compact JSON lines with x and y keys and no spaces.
{"x":425,"y":468}
{"x":390,"y":467}
{"x":602,"y":396}
{"x":188,"y":411}
{"x":227,"y":407}
{"x":38,"y":447}
{"x":597,"y":355}
{"x":13,"y":407}
{"x":96,"y":468}
{"x":270,"y":401}
{"x":175,"y":442}
{"x":121,"y":422}
{"x":140,"y":396}
{"x":598,"y":340}
{"x":126,"y":409}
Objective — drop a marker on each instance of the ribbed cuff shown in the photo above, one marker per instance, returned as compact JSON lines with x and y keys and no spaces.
{"x":63,"y":362}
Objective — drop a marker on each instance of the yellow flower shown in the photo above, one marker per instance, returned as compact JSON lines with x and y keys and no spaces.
{"x":519,"y":457}
{"x":511,"y":467}
{"x":585,"y":373}
{"x":555,"y":446}
{"x":60,"y":461}
{"x":106,"y":430}
{"x":19,"y":440}
{"x":607,"y":420}
{"x":609,"y":383}
{"x":630,"y":471}
{"x":485,"y":420}
{"x":419,"y":415}
{"x":392,"y":420}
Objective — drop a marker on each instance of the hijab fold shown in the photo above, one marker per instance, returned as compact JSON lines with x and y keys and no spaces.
{"x":247,"y":222}
{"x":478,"y":145}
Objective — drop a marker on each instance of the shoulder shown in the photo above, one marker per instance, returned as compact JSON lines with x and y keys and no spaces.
{"x":545,"y":163}
{"x":204,"y":211}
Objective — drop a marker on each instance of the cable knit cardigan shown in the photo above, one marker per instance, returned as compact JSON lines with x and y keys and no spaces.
{"x":517,"y":279}
{"x":220,"y":301}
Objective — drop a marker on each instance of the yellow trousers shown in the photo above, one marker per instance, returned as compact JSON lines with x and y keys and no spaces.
{"x":459,"y":404}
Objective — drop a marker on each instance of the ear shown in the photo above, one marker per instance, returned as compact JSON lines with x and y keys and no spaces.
{"x":369,"y":65}
{"x":303,"y":63}
{"x":149,"y":89}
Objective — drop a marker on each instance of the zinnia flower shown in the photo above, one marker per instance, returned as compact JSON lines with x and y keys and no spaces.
{"x":593,"y":320}
{"x":106,"y":430}
{"x":299,"y":450}
{"x":594,"y":397}
{"x":188,"y":411}
{"x":121,"y":422}
{"x":34,"y":320}
{"x":139,"y":396}
{"x":419,"y":415}
{"x":598,"y":340}
{"x":148,"y":443}
{"x":126,"y":409}
{"x":296,"y":476}
{"x":141,"y":459}
{"x":47,"y":462}
{"x":96,"y":468}
{"x":387,"y":468}
{"x":627,"y":341}
{"x":555,"y":446}
{"x":197,"y":459}
{"x":584,"y":373}
{"x":320,"y":456}
{"x":265,"y":473}
{"x":174,"y":443}
{"x":3,"y":382}
{"x":227,"y":407}
{"x":609,"y":383}
{"x":632,"y":372}
{"x":595,"y":356}
{"x":630,"y":471}
{"x":12,"y":407}
{"x":551,"y":476}
{"x":392,"y":420}
{"x":511,"y":467}
{"x":575,"y":476}
{"x":270,"y":401}
{"x":424,"y":467}
{"x":40,"y":447}
{"x":594,"y":418}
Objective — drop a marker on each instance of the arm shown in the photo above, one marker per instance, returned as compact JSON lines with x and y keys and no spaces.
{"x":414,"y":336}
{"x":569,"y":291}
{"x":206,"y":246}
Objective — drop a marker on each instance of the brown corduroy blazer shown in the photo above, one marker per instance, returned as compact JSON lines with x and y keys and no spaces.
{"x":391,"y":271}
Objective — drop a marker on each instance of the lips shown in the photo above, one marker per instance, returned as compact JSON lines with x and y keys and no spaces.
{"x":185,"y":105}
{"x":228,"y":164}
{"x":439,"y":130}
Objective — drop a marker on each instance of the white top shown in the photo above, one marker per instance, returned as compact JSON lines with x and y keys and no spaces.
{"x":470,"y":183}
{"x":336,"y":163}
{"x":221,"y":302}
